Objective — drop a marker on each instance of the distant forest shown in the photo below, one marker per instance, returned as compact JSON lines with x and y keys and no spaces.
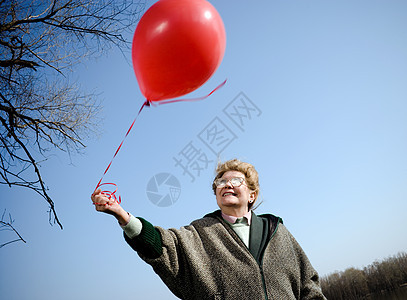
{"x":387,"y":275}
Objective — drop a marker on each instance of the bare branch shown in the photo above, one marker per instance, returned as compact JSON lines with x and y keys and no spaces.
{"x":7,"y":226}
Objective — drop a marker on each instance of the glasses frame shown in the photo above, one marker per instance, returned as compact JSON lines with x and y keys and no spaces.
{"x":224,"y":181}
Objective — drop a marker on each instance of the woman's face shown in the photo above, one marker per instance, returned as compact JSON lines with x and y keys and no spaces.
{"x":233,"y":200}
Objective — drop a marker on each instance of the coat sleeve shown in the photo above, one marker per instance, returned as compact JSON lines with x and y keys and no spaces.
{"x":310,"y":287}
{"x":148,"y":243}
{"x":160,"y":248}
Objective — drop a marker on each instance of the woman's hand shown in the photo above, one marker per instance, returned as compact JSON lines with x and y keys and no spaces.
{"x":109,"y":206}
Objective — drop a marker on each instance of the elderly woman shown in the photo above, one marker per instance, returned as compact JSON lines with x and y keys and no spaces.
{"x":228,"y":254}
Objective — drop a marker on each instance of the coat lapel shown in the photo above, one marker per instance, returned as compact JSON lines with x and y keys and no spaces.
{"x":257,"y":229}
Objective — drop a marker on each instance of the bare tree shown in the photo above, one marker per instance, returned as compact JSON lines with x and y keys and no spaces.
{"x":40,"y":108}
{"x":389,"y":274}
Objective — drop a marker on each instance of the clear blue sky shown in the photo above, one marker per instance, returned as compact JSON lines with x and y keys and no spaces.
{"x":328,"y":137}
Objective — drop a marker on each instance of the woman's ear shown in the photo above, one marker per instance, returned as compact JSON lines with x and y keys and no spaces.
{"x":252,"y":197}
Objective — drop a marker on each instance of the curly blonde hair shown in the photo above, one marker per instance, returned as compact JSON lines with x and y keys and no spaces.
{"x":248,"y":170}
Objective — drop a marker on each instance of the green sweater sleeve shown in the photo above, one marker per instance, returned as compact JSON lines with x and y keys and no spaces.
{"x":148,"y":242}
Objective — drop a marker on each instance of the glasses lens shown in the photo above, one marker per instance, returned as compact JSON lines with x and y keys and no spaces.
{"x":220,"y":182}
{"x":237,"y":181}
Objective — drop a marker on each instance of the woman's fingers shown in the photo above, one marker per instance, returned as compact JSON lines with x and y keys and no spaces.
{"x":98,"y":198}
{"x":102,"y":202}
{"x":94,"y":194}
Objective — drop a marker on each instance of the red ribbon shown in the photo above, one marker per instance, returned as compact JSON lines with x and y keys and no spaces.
{"x":188,"y":99}
{"x":112,"y":195}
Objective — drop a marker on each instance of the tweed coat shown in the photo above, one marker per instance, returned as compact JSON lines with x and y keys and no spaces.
{"x":207,"y":260}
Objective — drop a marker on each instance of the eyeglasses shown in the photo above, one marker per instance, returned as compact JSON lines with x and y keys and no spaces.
{"x":235,"y":182}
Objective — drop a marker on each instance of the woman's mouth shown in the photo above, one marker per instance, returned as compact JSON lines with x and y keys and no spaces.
{"x":228,"y":194}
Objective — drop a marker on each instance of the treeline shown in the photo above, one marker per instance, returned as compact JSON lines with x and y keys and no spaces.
{"x":389,"y":274}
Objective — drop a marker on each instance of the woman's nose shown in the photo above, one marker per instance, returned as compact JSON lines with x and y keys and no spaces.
{"x":228,"y":184}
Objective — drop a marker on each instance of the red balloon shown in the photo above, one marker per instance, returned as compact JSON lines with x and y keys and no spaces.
{"x":177,"y":46}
